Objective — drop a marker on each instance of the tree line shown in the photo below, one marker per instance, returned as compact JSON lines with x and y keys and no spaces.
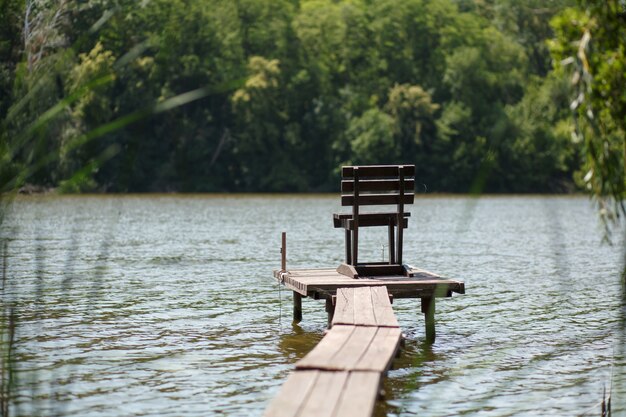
{"x":276,"y":95}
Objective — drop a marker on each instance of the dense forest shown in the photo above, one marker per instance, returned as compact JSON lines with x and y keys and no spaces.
{"x":275,"y":95}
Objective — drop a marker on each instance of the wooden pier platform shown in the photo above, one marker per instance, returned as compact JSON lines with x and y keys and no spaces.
{"x":323,"y":284}
{"x":342,"y":375}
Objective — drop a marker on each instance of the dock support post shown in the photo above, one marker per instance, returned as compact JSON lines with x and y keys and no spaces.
{"x":428,"y":308}
{"x":330,"y":309}
{"x":297,"y":307}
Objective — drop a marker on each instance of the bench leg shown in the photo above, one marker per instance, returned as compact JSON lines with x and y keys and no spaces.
{"x":392,"y":247}
{"x":428,"y":308}
{"x":297,"y":307}
{"x":348,"y":247}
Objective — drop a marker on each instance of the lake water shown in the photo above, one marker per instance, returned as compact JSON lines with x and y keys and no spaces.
{"x":166,"y":306}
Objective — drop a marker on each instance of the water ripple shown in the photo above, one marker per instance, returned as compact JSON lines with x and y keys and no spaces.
{"x":165,"y":306}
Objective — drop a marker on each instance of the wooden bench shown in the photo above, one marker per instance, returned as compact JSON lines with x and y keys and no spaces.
{"x":375,"y":185}
{"x":341,"y":376}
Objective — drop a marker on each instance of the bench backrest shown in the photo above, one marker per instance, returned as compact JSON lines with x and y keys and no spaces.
{"x":377,"y":185}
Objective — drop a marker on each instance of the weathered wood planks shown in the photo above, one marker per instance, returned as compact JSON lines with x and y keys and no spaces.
{"x":309,"y":282}
{"x":364,"y":336}
{"x":341,"y":376}
{"x":326,"y":394}
{"x":365,"y":306}
{"x":354,"y":348}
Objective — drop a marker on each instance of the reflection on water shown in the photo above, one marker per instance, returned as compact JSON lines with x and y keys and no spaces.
{"x":295,"y":344}
{"x":164,"y":305}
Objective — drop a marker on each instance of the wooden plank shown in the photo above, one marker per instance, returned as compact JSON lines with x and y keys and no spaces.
{"x":295,"y":285}
{"x":363,"y":307}
{"x":349,"y":355}
{"x":382,"y":308}
{"x":347,"y":271}
{"x":344,"y":309}
{"x":339,"y":218}
{"x":325,"y":395}
{"x":377,"y":199}
{"x":359,"y":395}
{"x":381,"y":350}
{"x":343,"y":347}
{"x":377,"y":171}
{"x":374,"y":221}
{"x":310,"y":272}
{"x":326,"y":349}
{"x":358,"y":348}
{"x":292,"y":394}
{"x":377,"y":185}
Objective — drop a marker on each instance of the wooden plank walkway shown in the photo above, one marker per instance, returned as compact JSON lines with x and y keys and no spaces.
{"x":341,"y":376}
{"x":364,"y":306}
{"x":320,"y":394}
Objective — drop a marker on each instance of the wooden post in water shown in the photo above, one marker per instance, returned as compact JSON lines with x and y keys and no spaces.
{"x":297,"y":298}
{"x":330,"y":309}
{"x":297,"y":307}
{"x":428,"y":308}
{"x":5,"y":256}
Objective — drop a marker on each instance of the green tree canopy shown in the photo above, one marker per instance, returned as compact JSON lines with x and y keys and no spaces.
{"x":274,"y":95}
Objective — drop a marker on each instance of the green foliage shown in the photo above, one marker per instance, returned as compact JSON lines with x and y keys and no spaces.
{"x":284,"y":91}
{"x":590,"y":47}
{"x":541,"y":147}
{"x":371,"y":138}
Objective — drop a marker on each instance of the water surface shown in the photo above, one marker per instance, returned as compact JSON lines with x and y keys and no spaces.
{"x":165,"y":305}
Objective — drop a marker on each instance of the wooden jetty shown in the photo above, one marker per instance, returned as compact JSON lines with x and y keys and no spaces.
{"x":322,"y":284}
{"x":342,"y":375}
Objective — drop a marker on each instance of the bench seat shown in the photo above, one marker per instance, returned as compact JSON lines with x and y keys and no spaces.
{"x":344,"y":220}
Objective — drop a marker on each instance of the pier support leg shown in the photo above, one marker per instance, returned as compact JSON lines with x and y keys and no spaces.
{"x":428,"y":308}
{"x":297,"y":307}
{"x":330,"y":309}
